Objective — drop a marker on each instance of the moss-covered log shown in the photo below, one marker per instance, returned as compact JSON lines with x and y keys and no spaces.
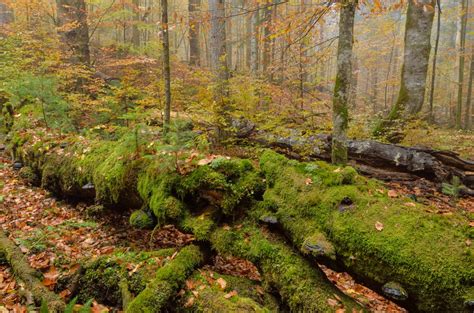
{"x":167,"y":281}
{"x":301,"y":285}
{"x":31,"y":278}
{"x":330,"y":211}
{"x":109,"y":281}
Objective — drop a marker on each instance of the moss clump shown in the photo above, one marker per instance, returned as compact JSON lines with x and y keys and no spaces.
{"x":103,"y":277}
{"x":167,"y":281}
{"x":425,"y":253}
{"x":141,"y":219}
{"x":302,"y":286}
{"x":200,"y":226}
{"x":29,"y":175}
{"x":224,"y":183}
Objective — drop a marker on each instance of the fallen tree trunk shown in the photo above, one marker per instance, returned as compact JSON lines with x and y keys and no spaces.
{"x":31,"y":278}
{"x":427,"y":254}
{"x":335,"y":215}
{"x":167,"y":281}
{"x":384,"y":159}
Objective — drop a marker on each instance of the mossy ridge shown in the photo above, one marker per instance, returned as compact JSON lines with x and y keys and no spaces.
{"x":427,"y":254}
{"x":303,"y":287}
{"x":102,"y":277}
{"x":167,"y":281}
{"x":211,"y":297}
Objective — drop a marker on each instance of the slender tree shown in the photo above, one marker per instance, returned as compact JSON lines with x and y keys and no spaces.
{"x":343,"y":81}
{"x":462,"y":48}
{"x":166,"y":63}
{"x":194,"y":27}
{"x":73,"y":28}
{"x":219,"y":64}
{"x":435,"y":57}
{"x":136,"y":23}
{"x":469,"y":109}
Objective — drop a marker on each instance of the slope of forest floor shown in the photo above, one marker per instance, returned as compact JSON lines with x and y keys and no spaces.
{"x":55,"y":237}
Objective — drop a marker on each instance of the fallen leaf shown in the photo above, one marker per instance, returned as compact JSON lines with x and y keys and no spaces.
{"x":190,"y":302}
{"x":230,"y":294}
{"x":378,"y":226}
{"x":221,"y":282}
{"x":332,"y":302}
{"x":308,"y":181}
{"x":392,"y":193}
{"x":410,"y":204}
{"x":50,"y":277}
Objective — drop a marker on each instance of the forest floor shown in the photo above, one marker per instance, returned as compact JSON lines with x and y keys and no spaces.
{"x":56,"y":236}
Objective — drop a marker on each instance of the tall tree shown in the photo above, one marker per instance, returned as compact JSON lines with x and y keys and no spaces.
{"x":219,"y":65}
{"x":166,"y":63}
{"x":469,"y":109}
{"x":343,"y":81}
{"x":136,"y":23}
{"x":416,"y":57}
{"x":6,"y":14}
{"x":462,"y":48}
{"x":435,"y":57}
{"x":267,"y":41}
{"x":194,"y":27}
{"x":74,"y":30}
{"x":254,"y":42}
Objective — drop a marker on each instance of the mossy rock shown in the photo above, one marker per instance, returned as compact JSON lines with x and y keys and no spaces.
{"x":29,"y":175}
{"x":142,"y":220}
{"x":424,"y":252}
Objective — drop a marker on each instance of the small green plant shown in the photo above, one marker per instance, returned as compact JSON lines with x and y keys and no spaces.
{"x":86,"y":308}
{"x":452,"y":189}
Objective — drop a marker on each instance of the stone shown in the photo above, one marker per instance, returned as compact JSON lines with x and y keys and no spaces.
{"x":17,"y":165}
{"x":88,"y":186}
{"x":345,"y":205}
{"x":395,"y":291}
{"x":269,"y":219}
{"x":318,"y":245}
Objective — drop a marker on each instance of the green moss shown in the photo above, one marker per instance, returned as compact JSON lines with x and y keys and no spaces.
{"x":141,"y":219}
{"x":29,"y":175}
{"x":426,"y":253}
{"x":102,"y":277}
{"x":303,"y":287}
{"x":167,"y":281}
{"x":200,"y":226}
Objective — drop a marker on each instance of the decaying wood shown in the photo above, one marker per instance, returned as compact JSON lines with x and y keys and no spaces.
{"x":369,"y":155}
{"x":31,"y":278}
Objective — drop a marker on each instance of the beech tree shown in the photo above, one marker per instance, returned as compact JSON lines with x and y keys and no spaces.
{"x":343,"y":82}
{"x":194,"y":27}
{"x":411,"y":96}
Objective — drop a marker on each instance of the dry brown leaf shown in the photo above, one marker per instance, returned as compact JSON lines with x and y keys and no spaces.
{"x":378,"y":226}
{"x":221,"y":282}
{"x":190,"y":302}
{"x":230,"y":294}
{"x":392,"y":193}
{"x":308,"y":181}
{"x":332,"y":302}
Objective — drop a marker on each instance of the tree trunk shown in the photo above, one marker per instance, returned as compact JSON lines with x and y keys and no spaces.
{"x":194,"y":26}
{"x":254,"y":43}
{"x":462,"y":46}
{"x":468,"y":113}
{"x":137,"y":20}
{"x":166,"y":63}
{"x":267,"y":41}
{"x":435,"y":57}
{"x":6,"y":14}
{"x":411,"y":96}
{"x":343,"y":82}
{"x":72,"y":18}
{"x":219,"y":65}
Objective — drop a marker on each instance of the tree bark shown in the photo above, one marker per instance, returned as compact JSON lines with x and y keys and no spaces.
{"x":254,"y":46}
{"x":136,"y":21}
{"x":6,"y":14}
{"x":166,"y":63}
{"x":469,"y":110}
{"x":435,"y":57}
{"x":72,"y":19}
{"x":462,"y":48}
{"x":268,"y":12}
{"x":343,"y":82}
{"x":194,"y":27}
